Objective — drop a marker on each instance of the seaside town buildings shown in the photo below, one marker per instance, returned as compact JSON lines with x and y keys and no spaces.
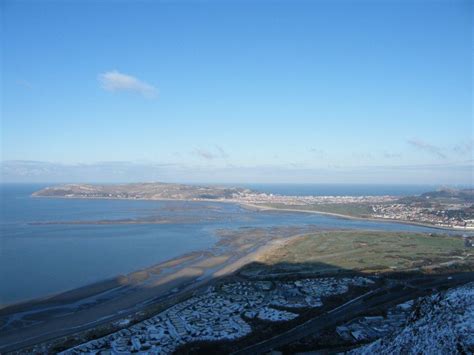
{"x":221,"y":313}
{"x":450,"y":215}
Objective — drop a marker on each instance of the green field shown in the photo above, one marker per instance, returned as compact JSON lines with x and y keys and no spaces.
{"x":369,"y":251}
{"x":348,"y":209}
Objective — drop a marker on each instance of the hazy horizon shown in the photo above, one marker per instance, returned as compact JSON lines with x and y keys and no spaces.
{"x":125,"y":172}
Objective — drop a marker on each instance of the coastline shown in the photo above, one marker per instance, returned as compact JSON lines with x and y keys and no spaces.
{"x":37,"y":320}
{"x":255,"y":207}
{"x":140,"y":294}
{"x":375,"y":219}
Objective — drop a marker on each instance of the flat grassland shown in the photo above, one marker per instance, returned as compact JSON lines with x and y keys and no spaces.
{"x":369,"y":251}
{"x":359,"y":210}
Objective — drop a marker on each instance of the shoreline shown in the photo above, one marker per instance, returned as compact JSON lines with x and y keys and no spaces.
{"x":71,"y":311}
{"x":119,"y":278}
{"x":144,"y":291}
{"x":250,"y":206}
{"x":374,"y":219}
{"x":33,"y":321}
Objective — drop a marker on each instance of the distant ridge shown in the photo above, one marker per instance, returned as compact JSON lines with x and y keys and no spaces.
{"x":149,"y":191}
{"x":464,"y":194}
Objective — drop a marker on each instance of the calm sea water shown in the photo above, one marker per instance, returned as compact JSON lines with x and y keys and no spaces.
{"x":38,"y":260}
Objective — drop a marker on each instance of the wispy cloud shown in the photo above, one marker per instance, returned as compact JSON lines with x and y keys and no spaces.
{"x":222,"y":152}
{"x":390,"y":155}
{"x":205,"y":154}
{"x":37,"y":171}
{"x":318,"y":152}
{"x":464,"y":148}
{"x":116,"y":81}
{"x":427,"y":147}
{"x":362,"y":155}
{"x":217,"y":153}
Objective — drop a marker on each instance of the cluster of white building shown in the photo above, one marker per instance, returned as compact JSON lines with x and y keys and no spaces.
{"x":418,"y":214}
{"x":221,"y":313}
{"x":256,"y":198}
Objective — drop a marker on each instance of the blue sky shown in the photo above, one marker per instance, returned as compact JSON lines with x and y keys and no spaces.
{"x":261,"y":91}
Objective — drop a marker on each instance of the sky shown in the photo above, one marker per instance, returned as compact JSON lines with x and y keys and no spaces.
{"x":237,"y":91}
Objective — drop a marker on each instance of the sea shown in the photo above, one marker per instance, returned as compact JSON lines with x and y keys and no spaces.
{"x":38,"y":259}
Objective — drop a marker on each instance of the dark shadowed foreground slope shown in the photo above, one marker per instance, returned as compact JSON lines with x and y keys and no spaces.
{"x":439,"y":324}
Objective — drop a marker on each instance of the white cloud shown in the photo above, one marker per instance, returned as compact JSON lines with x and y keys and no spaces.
{"x":116,"y":81}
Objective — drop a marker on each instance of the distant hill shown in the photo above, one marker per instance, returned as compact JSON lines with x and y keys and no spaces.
{"x":150,"y":191}
{"x":464,"y":194}
{"x":442,"y":195}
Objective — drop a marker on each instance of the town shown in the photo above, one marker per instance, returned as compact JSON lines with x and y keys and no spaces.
{"x":458,"y":214}
{"x":264,"y":198}
{"x":450,"y":216}
{"x":221,"y":313}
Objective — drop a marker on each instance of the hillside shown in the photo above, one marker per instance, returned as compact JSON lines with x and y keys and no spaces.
{"x":444,"y":195}
{"x":440,"y":324}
